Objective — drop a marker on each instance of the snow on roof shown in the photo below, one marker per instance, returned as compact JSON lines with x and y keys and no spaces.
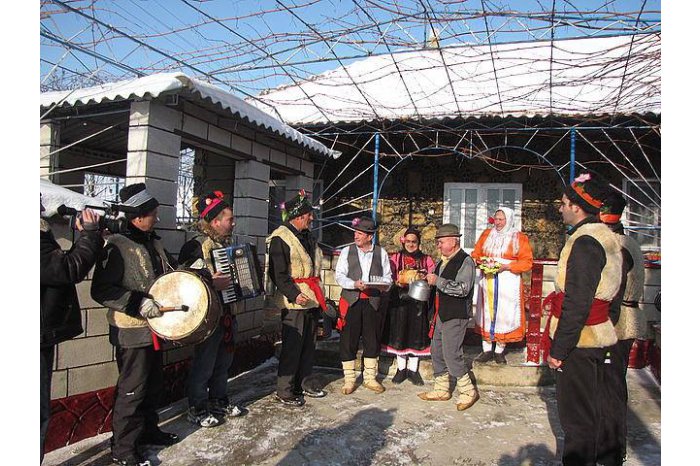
{"x":53,"y":195}
{"x":156,"y":84}
{"x":598,"y":76}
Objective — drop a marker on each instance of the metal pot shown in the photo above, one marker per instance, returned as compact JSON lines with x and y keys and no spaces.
{"x":419,"y":290}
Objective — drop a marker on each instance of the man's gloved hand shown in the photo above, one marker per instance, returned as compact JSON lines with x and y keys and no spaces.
{"x":149,"y":309}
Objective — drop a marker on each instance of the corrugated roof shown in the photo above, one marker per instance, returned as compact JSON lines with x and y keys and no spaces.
{"x":591,"y":76}
{"x":156,"y":84}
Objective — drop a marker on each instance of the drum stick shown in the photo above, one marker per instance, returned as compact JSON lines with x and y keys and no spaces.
{"x":182,"y":308}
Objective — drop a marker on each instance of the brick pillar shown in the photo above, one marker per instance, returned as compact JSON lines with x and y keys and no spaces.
{"x":153,"y":157}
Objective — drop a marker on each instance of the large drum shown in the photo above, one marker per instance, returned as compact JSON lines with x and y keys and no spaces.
{"x":201,"y":307}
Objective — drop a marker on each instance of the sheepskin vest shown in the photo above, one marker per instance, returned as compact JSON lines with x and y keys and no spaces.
{"x":301,"y":266}
{"x":138,"y":275}
{"x":632,"y":322}
{"x":603,"y":334}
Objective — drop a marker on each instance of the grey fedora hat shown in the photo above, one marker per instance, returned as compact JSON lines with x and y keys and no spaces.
{"x":447,"y":230}
{"x":364,"y":224}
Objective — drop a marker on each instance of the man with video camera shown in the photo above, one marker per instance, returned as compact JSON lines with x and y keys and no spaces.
{"x":129,"y":264}
{"x":60,"y":310}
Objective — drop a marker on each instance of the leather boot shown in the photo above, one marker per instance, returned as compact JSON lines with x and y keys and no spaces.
{"x":468,"y":394}
{"x":349,"y":377}
{"x":369,"y":376}
{"x":441,"y":390}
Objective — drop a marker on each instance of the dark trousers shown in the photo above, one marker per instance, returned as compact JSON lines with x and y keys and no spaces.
{"x":583,"y":398}
{"x":617,"y":420}
{"x":362,"y":320}
{"x":45,"y":392}
{"x":209,"y":373}
{"x":297,"y":354}
{"x":136,"y":398}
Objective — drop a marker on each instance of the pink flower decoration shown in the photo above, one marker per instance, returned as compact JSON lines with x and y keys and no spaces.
{"x":282,"y":206}
{"x":582,"y":178}
{"x":402,"y":239}
{"x":355,"y":221}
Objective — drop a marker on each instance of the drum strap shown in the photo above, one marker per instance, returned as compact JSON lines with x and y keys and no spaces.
{"x":156,"y":343}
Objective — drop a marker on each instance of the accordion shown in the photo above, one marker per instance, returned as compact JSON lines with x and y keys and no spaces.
{"x":240,"y":263}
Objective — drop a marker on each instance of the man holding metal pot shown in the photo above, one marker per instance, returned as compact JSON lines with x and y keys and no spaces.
{"x":454,"y":280}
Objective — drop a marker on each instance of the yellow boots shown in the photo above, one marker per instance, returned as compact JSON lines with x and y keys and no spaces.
{"x":441,"y":390}
{"x":369,"y":376}
{"x":468,"y":394}
{"x":349,"y":377}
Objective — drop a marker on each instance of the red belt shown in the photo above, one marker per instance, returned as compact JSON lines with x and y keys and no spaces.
{"x":314,"y":284}
{"x":599,"y":314}
{"x":432,"y":324}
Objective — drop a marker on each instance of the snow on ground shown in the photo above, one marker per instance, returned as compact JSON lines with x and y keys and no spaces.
{"x":508,"y":426}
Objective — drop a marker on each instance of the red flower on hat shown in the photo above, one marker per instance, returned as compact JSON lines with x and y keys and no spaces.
{"x":491,"y":220}
{"x":219,"y":194}
{"x":355,"y":221}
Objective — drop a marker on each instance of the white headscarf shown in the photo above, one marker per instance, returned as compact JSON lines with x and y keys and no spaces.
{"x":496,"y":244}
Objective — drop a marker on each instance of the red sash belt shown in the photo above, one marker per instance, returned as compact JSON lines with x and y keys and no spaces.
{"x":314,"y":284}
{"x":599,"y":314}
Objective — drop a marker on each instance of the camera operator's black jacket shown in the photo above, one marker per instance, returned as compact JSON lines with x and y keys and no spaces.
{"x":59,"y":272}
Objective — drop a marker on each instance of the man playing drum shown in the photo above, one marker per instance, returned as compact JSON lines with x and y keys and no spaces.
{"x":206,"y":387}
{"x":294,"y":268}
{"x":128,"y":265}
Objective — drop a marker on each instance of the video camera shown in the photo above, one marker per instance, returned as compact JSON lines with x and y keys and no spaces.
{"x":109,"y":217}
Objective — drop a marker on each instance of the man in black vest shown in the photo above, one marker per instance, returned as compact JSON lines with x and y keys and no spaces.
{"x":362,"y":306}
{"x":454,"y":280}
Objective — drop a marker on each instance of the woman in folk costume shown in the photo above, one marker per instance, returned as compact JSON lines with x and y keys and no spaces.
{"x":502,"y":254}
{"x":406,"y":327}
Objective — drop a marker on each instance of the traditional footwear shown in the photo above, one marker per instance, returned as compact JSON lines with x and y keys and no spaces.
{"x":468,"y":394}
{"x":293,"y":402}
{"x":484,"y":357}
{"x":349,"y":385}
{"x":400,"y":376}
{"x":202,"y":417}
{"x":441,"y":390}
{"x":369,"y":376}
{"x":415,"y":378}
{"x":500,"y":358}
{"x":159,"y":438}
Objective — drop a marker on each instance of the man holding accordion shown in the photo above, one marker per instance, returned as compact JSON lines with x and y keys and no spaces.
{"x":207,"y":384}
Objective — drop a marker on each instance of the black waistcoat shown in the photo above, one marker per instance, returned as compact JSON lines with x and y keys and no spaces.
{"x":452,"y":307}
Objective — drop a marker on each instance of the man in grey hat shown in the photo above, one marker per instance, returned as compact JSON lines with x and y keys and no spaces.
{"x":454,"y":280}
{"x":362,"y":304}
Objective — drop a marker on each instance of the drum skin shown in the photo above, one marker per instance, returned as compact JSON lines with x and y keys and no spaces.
{"x":183,"y":288}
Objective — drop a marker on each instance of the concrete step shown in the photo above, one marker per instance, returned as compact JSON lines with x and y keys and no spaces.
{"x":515,"y":373}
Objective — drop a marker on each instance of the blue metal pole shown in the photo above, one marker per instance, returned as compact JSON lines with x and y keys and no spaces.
{"x":375,"y":196}
{"x":572,"y":164}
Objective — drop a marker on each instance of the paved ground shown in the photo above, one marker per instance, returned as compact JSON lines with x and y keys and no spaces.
{"x":508,"y":426}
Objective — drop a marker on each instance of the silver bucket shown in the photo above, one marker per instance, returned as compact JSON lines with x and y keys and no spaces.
{"x":419,"y":290}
